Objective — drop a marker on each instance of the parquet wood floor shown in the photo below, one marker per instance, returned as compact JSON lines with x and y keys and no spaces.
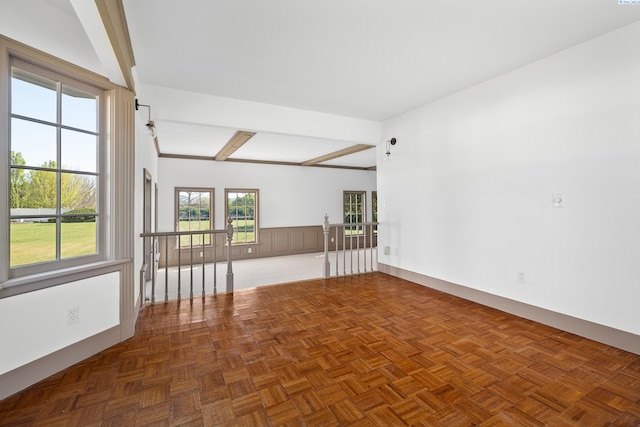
{"x":364,"y":350}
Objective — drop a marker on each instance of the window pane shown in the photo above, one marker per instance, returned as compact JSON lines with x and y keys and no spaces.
{"x":374,"y":209}
{"x":79,"y":151}
{"x":194,"y":204}
{"x":241,"y":208}
{"x":194,"y":225}
{"x":353,"y":212}
{"x":194,"y":212}
{"x":33,"y":96}
{"x":41,"y":191}
{"x":78,"y":236}
{"x":374,"y":206}
{"x":79,"y":109}
{"x":34,"y":142}
{"x":32,"y":240}
{"x":78,"y":193}
{"x":17,"y":190}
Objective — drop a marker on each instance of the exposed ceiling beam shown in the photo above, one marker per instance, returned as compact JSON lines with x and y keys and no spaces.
{"x":90,"y":19}
{"x":115,"y":23}
{"x":236,"y":141}
{"x":105,"y":24}
{"x":340,"y":153}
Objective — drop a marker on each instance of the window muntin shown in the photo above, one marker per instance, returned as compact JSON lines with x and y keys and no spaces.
{"x":354,"y":209}
{"x":54,"y":174}
{"x":194,"y":212}
{"x":242,"y":208}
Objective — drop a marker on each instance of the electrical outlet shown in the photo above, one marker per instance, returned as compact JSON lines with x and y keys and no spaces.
{"x":557,"y":200}
{"x":387,"y":250}
{"x":521,"y":277}
{"x":73,"y":315}
{"x":249,"y":250}
{"x":201,"y":254}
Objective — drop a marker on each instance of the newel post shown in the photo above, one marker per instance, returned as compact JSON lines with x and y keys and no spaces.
{"x":229,"y":266}
{"x":327,"y":264}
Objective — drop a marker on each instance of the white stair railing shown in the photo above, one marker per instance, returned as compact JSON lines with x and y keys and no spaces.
{"x":161,"y":240}
{"x":361,"y":245}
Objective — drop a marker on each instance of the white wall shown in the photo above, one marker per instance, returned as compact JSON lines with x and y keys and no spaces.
{"x":196,"y":108}
{"x":42,"y":318}
{"x":34,"y":324}
{"x":45,"y":26}
{"x":146,"y":158}
{"x":467,"y":196}
{"x":289,"y":195}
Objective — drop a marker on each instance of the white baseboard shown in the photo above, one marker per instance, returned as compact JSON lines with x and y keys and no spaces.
{"x":594,"y":331}
{"x":29,"y":374}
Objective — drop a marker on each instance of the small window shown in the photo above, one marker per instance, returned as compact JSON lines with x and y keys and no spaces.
{"x":194,"y":212}
{"x":54,"y":150}
{"x":374,"y":210}
{"x":354,"y":212}
{"x":242,"y":208}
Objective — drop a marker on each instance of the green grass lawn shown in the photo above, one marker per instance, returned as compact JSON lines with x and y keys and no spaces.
{"x":243,"y":231}
{"x":194,"y":226}
{"x":36,"y":242}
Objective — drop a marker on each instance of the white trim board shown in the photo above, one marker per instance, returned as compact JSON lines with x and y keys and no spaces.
{"x":27,"y":375}
{"x":584,"y":328}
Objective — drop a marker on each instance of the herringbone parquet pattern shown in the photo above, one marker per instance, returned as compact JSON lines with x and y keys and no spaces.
{"x":366,"y":350}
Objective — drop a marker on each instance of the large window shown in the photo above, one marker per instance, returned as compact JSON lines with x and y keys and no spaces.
{"x":194,"y":211}
{"x":55,"y":182}
{"x":354,"y":211}
{"x":242,"y":208}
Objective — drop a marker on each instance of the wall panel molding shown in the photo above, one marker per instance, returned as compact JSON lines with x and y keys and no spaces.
{"x":278,"y":241}
{"x":275,"y":241}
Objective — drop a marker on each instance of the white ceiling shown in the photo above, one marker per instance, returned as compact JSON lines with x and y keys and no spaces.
{"x":371,"y":59}
{"x":364,"y":59}
{"x":206,"y":140}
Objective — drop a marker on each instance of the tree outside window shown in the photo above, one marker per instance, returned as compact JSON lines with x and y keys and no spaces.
{"x":374,"y":210}
{"x":194,"y":212}
{"x":354,"y":212}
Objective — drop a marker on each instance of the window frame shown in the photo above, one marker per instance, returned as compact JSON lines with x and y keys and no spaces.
{"x":177,"y":190}
{"x":256,"y":215}
{"x":359,"y":229}
{"x":118,"y":130}
{"x":75,"y":80}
